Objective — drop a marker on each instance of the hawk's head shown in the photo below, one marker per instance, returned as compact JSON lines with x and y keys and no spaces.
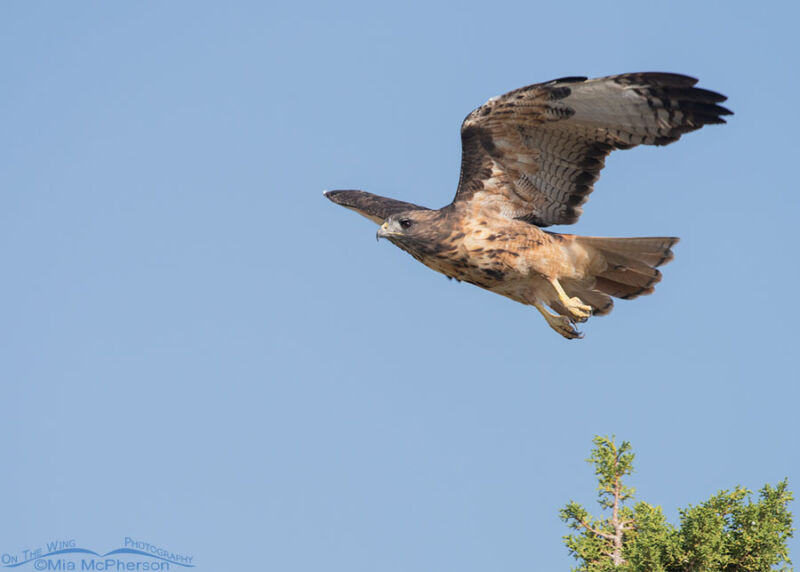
{"x":416,"y":231}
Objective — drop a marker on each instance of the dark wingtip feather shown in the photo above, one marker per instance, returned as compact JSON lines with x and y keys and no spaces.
{"x":374,"y":207}
{"x":723,"y":110}
{"x":347,"y":197}
{"x":569,"y":79}
{"x":706,"y":95}
{"x":661,"y":79}
{"x":331,"y":195}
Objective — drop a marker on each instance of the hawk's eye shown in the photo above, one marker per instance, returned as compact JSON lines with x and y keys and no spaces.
{"x":405,"y":223}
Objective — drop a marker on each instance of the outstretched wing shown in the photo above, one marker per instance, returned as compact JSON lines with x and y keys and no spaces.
{"x":374,"y":207}
{"x":536,"y":152}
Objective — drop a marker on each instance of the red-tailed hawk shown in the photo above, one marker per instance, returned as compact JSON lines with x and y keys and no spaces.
{"x":530,"y":158}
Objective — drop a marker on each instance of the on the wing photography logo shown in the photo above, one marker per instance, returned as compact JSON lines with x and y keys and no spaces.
{"x":68,"y":555}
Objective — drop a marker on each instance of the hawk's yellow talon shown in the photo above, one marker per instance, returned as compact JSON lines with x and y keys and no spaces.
{"x":561,"y":324}
{"x":579,"y":311}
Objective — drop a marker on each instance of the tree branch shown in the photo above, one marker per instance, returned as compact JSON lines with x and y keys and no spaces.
{"x":616,"y":523}
{"x":594,"y":531}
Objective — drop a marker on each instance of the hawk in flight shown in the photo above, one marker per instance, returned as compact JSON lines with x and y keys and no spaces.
{"x":529,"y":160}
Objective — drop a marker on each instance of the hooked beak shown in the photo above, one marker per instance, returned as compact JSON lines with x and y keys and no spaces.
{"x":383,"y":231}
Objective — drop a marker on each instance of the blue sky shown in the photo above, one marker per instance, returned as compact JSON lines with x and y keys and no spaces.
{"x":201,"y":352}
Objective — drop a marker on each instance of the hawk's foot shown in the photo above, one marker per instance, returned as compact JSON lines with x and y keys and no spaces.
{"x":579,"y":311}
{"x":561,"y":324}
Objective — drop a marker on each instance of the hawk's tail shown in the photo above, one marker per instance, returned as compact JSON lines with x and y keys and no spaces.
{"x":621,"y":267}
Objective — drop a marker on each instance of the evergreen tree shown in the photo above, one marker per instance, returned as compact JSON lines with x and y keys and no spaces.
{"x":728,"y":533}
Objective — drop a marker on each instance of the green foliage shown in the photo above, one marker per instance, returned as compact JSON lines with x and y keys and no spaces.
{"x":730,"y":532}
{"x":611,"y":463}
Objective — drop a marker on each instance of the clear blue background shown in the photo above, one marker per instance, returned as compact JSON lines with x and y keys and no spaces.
{"x":198,"y":350}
